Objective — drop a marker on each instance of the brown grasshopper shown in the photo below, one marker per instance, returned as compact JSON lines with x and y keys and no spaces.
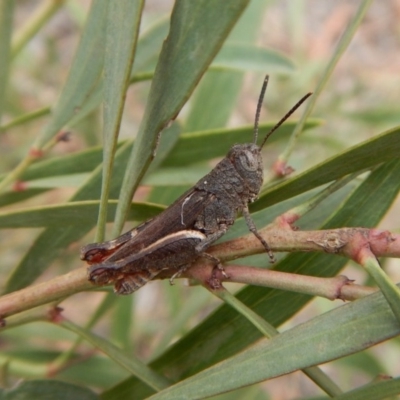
{"x":183,"y":232}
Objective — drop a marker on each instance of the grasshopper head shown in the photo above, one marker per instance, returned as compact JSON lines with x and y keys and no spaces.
{"x":247,"y":161}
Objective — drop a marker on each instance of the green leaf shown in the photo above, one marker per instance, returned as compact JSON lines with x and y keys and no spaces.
{"x":149,"y":46}
{"x":122,"y":29}
{"x":84,"y":73}
{"x":147,"y":51}
{"x":77,"y":213}
{"x":190,"y":148}
{"x":134,"y":366}
{"x":215,"y":97}
{"x":51,"y":241}
{"x":48,"y":390}
{"x":14,"y":197}
{"x":199,"y":146}
{"x":190,"y":47}
{"x":344,"y":330}
{"x":370,"y":153}
{"x":245,"y":57}
{"x":213,"y":100}
{"x":186,"y":151}
{"x":37,"y":19}
{"x":58,"y":237}
{"x":6,"y":19}
{"x":373,"y":391}
{"x":74,"y":163}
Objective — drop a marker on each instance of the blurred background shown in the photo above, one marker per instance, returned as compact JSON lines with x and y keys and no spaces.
{"x":360,"y":101}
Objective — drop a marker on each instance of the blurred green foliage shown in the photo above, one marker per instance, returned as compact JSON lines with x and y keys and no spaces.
{"x":65,"y":67}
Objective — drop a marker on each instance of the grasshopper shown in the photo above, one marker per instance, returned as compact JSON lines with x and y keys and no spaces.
{"x":180,"y":234}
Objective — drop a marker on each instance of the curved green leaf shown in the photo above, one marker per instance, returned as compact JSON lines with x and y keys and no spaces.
{"x":190,"y":47}
{"x":344,"y":330}
{"x":199,"y":146}
{"x":370,"y":153}
{"x":186,"y":151}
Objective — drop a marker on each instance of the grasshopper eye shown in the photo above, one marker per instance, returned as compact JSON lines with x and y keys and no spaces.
{"x":249,"y":161}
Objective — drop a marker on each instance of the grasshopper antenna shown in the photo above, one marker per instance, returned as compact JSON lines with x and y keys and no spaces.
{"x":285,"y":117}
{"x":259,"y":104}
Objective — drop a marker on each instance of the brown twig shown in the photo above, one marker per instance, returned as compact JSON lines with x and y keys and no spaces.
{"x":344,"y":242}
{"x":43,"y":293}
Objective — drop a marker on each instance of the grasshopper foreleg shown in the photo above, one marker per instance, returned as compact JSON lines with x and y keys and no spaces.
{"x":253,"y":229}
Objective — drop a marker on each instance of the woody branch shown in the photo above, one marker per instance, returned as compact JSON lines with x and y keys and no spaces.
{"x":344,"y":242}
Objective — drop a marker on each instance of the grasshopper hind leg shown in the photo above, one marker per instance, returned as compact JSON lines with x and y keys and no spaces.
{"x":214,"y":282}
{"x":132,"y":282}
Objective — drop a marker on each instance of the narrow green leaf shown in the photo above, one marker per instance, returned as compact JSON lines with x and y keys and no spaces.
{"x":25,"y":118}
{"x":37,"y":19}
{"x":147,"y":50}
{"x":55,"y":239}
{"x":167,"y":177}
{"x":381,"y":188}
{"x":385,"y":284}
{"x":6,"y":19}
{"x":75,"y":163}
{"x":344,"y":330}
{"x":368,"y":204}
{"x":122,"y":30}
{"x":168,"y":141}
{"x":199,"y":146}
{"x":214,"y":100}
{"x":63,"y":181}
{"x":85,"y":72}
{"x":189,"y":49}
{"x":215,"y":97}
{"x":373,"y":391}
{"x":58,"y":237}
{"x":48,"y":389}
{"x":134,"y":366}
{"x":14,"y":197}
{"x":342,"y":45}
{"x":245,"y":57}
{"x":122,"y":323}
{"x":149,"y":46}
{"x":77,"y":213}
{"x":379,"y":149}
{"x":189,"y":149}
{"x":97,"y":371}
